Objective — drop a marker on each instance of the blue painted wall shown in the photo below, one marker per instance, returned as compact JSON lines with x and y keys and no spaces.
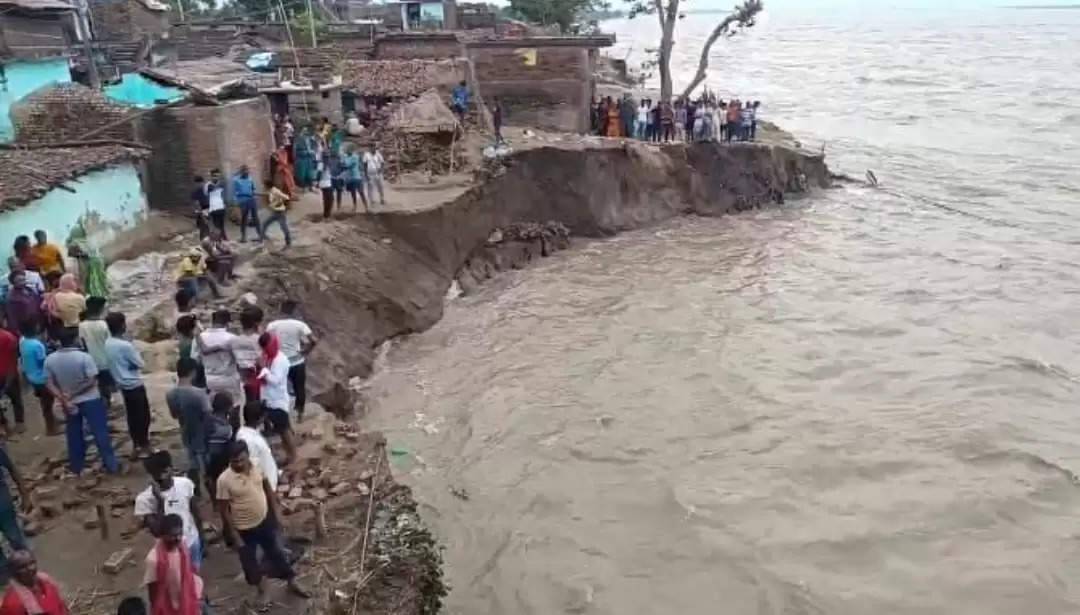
{"x":22,"y":77}
{"x":135,"y":89}
{"x":106,"y":201}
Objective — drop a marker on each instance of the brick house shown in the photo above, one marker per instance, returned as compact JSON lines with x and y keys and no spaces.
{"x":541,"y":81}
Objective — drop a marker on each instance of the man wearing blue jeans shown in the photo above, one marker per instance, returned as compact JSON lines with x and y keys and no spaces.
{"x":244,"y":193}
{"x":9,"y":522}
{"x":71,"y":376}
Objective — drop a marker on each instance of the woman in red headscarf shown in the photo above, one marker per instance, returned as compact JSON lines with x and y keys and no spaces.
{"x":274,"y":391}
{"x":283,"y":172}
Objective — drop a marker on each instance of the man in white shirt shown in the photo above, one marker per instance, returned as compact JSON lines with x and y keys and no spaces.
{"x":258,"y":448}
{"x":215,"y":194}
{"x":373,"y":162}
{"x":168,"y":495}
{"x":215,"y":349}
{"x":297,"y":341}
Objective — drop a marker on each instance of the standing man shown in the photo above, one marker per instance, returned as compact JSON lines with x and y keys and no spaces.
{"x":278,"y":202}
{"x":754,"y":119}
{"x":373,"y":165}
{"x":9,"y":518}
{"x":259,"y":450}
{"x":244,"y":193}
{"x":32,"y":354}
{"x":94,"y":333}
{"x":250,"y":515}
{"x":171,"y":576}
{"x":214,"y":347}
{"x":125,"y":365}
{"x":497,"y":120}
{"x":48,"y":255}
{"x":190,"y":406}
{"x":31,"y":592}
{"x":170,"y":495}
{"x":201,"y":205}
{"x":297,"y":341}
{"x":459,"y":100}
{"x":72,"y":379}
{"x":215,"y":197}
{"x":354,"y":177}
{"x":246,"y":349}
{"x":22,"y":304}
{"x":10,"y":383}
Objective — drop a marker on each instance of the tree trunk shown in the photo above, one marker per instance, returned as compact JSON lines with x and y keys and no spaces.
{"x":667,"y":17}
{"x":703,"y":63}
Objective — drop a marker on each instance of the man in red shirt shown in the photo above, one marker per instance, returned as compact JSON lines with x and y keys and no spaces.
{"x":30,"y":592}
{"x":10,"y":383}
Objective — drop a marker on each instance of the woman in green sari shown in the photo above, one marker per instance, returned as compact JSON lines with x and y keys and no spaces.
{"x":91,"y":263}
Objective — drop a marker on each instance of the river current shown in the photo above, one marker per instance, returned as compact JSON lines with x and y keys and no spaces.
{"x":862,"y":402}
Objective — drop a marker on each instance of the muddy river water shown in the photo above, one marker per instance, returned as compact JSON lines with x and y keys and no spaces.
{"x":862,"y":402}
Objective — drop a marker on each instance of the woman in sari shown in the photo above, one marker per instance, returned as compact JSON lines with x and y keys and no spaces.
{"x":91,"y":263}
{"x":283,"y":172}
{"x":304,"y":153}
{"x":613,"y":119}
{"x":66,"y":303}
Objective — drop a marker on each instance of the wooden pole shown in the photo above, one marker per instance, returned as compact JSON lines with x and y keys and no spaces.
{"x":320,"y":521}
{"x":103,"y":521}
{"x":453,"y":140}
{"x":88,"y":49}
{"x":311,"y":21}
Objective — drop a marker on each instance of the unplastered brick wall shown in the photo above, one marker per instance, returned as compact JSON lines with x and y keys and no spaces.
{"x":191,"y":140}
{"x":112,"y":19}
{"x":529,"y":63}
{"x":407,"y":48}
{"x":68,"y":112}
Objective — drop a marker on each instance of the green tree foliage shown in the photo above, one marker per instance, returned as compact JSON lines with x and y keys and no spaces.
{"x":564,"y":13}
{"x":669,"y":12}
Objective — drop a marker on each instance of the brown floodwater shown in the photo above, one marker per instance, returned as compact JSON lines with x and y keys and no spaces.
{"x":863,"y":402}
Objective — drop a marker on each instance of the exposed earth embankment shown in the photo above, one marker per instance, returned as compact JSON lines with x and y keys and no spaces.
{"x":381,"y":276}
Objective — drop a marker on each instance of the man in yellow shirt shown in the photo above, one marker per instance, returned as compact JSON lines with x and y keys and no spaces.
{"x":48,"y":255}
{"x":250,"y":516}
{"x":278,"y":202}
{"x":192,"y":271}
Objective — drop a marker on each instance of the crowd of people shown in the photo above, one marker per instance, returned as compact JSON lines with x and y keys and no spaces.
{"x":705,"y":119}
{"x":234,"y":393}
{"x":319,"y":158}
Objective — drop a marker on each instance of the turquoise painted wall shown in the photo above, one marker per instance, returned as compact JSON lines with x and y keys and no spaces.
{"x":135,"y":89}
{"x":106,"y":201}
{"x":22,"y":77}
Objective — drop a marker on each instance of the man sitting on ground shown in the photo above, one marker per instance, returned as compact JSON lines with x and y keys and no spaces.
{"x":191,"y":273}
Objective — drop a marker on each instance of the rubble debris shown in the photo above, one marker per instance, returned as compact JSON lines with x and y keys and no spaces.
{"x":117,"y":561}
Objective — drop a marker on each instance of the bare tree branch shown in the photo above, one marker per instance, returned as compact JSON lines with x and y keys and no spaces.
{"x":741,"y":17}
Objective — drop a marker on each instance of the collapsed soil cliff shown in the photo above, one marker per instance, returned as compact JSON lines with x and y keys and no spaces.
{"x":387,"y":275}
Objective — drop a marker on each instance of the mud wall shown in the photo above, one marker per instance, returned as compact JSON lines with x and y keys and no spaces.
{"x":387,"y":275}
